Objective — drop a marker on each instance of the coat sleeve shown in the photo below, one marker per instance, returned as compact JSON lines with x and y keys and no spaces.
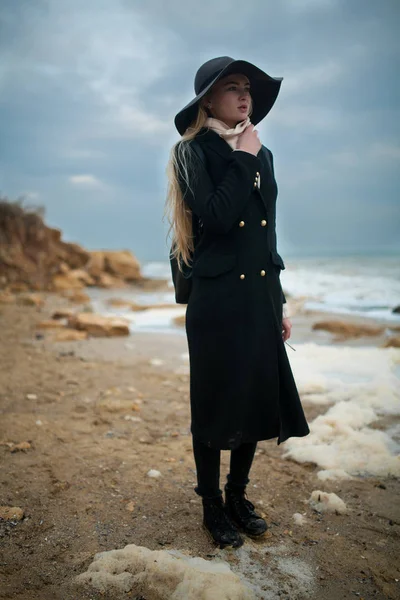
{"x":220,"y":206}
{"x":273,"y":173}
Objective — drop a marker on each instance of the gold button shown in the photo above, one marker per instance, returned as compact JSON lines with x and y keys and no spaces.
{"x":241,"y":224}
{"x":242,"y":276}
{"x":262,"y":273}
{"x":255,"y":184}
{"x":263,"y":223}
{"x":257,"y":173}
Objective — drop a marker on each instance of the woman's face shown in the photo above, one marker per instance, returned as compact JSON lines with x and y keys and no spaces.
{"x":230,"y":99}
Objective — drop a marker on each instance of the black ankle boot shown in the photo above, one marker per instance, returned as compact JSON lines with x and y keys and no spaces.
{"x":218,"y":525}
{"x":241,"y":511}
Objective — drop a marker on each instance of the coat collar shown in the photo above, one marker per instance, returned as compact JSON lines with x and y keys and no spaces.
{"x":213,"y":140}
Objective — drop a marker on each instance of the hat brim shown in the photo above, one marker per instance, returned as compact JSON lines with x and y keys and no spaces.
{"x":264,"y":91}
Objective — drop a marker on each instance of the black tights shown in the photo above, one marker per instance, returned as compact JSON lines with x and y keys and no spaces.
{"x":208,"y":462}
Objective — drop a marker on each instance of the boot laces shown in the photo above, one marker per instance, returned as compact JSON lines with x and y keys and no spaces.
{"x":243,"y":504}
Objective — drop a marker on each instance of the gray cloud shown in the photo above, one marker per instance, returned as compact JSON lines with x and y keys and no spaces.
{"x":88,"y":93}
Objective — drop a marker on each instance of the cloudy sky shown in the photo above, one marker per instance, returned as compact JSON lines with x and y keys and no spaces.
{"x":89,"y":90}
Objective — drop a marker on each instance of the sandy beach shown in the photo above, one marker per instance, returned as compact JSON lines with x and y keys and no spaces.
{"x":98,"y":414}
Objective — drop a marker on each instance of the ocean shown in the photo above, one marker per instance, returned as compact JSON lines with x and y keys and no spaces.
{"x":353,"y":285}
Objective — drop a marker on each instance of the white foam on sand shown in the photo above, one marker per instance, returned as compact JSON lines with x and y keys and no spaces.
{"x":359,"y":385}
{"x":257,"y":572}
{"x":164,"y":574}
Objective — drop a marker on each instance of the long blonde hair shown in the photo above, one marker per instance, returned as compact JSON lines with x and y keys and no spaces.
{"x":177,"y":211}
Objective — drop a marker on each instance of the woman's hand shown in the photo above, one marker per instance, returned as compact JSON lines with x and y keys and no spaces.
{"x":249,"y":141}
{"x":286,"y":328}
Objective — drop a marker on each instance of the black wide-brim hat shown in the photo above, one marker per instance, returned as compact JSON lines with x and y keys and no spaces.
{"x":264,"y":89}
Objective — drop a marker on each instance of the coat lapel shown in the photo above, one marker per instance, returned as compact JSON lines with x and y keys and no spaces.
{"x":221,"y":147}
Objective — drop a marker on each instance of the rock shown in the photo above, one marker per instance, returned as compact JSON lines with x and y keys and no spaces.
{"x":70,"y":335}
{"x":82,"y":276}
{"x":396,"y":309}
{"x":11,"y":513}
{"x":31,"y":300}
{"x":329,"y":503}
{"x":299,"y":519}
{"x":32,"y":253}
{"x":138,"y":307}
{"x":117,"y":302}
{"x":392,"y":342}
{"x":115,"y":405}
{"x":18,"y":287}
{"x":67,"y":281}
{"x":122,"y":264}
{"x":162,"y":574}
{"x":62,"y":314}
{"x":149,"y":284}
{"x":50,"y":325}
{"x":105,"y":280}
{"x":22,"y":446}
{"x":31,"y":397}
{"x":153,"y":473}
{"x":96,"y":263}
{"x":7,"y":298}
{"x":77,"y":297}
{"x":347,"y":330}
{"x":156,"y":362}
{"x":99,"y":326}
{"x":180,"y":320}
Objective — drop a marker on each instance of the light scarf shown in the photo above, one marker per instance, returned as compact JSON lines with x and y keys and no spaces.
{"x":230,"y":135}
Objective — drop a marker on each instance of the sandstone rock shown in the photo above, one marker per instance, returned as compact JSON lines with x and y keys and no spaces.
{"x":96,"y":263}
{"x":31,"y":300}
{"x":18,"y":286}
{"x":7,"y":298}
{"x":21,"y":446}
{"x":99,"y":326}
{"x":67,"y":281}
{"x":82,"y":276}
{"x":149,"y":284}
{"x":77,"y":297}
{"x":11,"y":513}
{"x":180,"y":320}
{"x":347,"y":330}
{"x":122,"y":264}
{"x":62,"y":314}
{"x":70,"y":335}
{"x":116,"y":405}
{"x":31,"y":252}
{"x":392,"y":342}
{"x":119,"y":302}
{"x":50,"y":325}
{"x":105,"y":280}
{"x":63,"y":268}
{"x":139,"y":307}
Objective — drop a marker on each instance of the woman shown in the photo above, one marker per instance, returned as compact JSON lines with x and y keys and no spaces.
{"x":221,"y":197}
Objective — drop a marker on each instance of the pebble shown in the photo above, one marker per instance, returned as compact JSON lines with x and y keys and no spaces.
{"x":153,"y":473}
{"x":11,"y":513}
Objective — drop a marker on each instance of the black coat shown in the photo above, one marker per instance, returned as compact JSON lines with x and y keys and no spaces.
{"x":241,"y":384}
